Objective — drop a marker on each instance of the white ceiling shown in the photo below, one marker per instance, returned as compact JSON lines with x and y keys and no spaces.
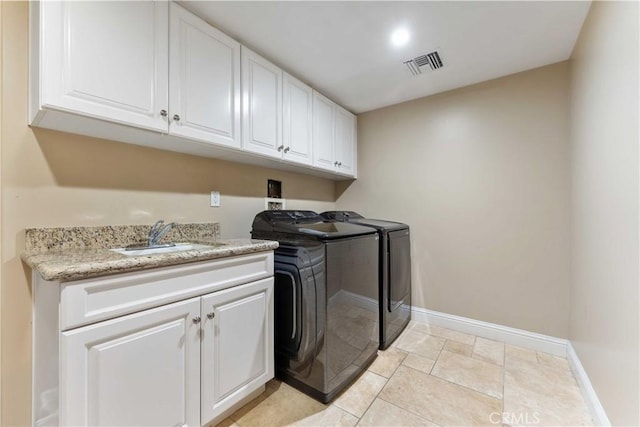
{"x":342,"y":48}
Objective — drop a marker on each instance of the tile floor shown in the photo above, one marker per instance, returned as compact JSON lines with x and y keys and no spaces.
{"x":434,"y":376}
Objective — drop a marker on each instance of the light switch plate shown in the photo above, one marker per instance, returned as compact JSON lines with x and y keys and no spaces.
{"x":215,"y":199}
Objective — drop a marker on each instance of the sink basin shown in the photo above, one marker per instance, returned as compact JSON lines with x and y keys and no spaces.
{"x":163,"y":249}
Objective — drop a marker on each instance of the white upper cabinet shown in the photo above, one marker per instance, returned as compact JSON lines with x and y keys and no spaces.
{"x":277,"y":111}
{"x":323,"y":132}
{"x":204,"y":81}
{"x":261,"y":105}
{"x":297,"y":108}
{"x":345,"y":143}
{"x":334,"y":136}
{"x":152,"y":73}
{"x":108,"y":60}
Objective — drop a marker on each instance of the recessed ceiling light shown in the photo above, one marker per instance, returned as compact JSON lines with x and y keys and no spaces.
{"x":400,"y":37}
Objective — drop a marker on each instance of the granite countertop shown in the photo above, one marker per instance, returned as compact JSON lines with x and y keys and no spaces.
{"x":75,"y":253}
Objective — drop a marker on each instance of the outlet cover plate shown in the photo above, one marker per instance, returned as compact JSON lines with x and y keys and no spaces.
{"x":215,"y":199}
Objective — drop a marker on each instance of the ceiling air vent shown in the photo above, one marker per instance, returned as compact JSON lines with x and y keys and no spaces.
{"x":431,"y":59}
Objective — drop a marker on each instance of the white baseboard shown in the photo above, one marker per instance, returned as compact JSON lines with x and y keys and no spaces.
{"x":513,"y":336}
{"x":531,"y":340}
{"x":595,"y":407}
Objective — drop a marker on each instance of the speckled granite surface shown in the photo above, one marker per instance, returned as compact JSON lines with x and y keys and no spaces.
{"x":114,"y":236}
{"x":75,"y":253}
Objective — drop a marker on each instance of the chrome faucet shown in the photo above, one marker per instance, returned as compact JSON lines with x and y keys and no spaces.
{"x":158,"y":230}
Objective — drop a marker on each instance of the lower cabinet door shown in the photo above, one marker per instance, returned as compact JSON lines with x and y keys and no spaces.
{"x":137,"y":370}
{"x":237,"y":345}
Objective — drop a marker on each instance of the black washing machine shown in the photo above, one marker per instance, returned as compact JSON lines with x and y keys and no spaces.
{"x":325,"y":333}
{"x":394,"y":275}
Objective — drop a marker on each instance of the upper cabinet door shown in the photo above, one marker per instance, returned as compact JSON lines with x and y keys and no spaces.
{"x":323,"y":132}
{"x":297,"y":104}
{"x":106,"y":59}
{"x":204,"y":82}
{"x":261,"y":105}
{"x":345,"y":141}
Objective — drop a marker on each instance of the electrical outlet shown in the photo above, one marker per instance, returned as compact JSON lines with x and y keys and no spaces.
{"x":215,"y":199}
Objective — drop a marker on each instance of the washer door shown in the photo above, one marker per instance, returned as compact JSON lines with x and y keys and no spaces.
{"x":295,"y":313}
{"x":399,"y":253}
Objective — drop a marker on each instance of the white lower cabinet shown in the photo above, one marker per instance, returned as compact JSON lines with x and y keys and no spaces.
{"x":185,"y":363}
{"x":237,"y":345}
{"x":137,"y":370}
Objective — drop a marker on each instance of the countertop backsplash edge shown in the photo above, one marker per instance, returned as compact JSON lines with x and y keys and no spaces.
{"x":66,"y":254}
{"x":112,"y":236}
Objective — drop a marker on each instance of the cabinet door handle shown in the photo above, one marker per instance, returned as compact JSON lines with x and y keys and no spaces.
{"x":280,"y":148}
{"x":176,"y":117}
{"x":211,"y":315}
{"x":339,"y":164}
{"x":196,"y":319}
{"x":163,"y":113}
{"x":286,"y":150}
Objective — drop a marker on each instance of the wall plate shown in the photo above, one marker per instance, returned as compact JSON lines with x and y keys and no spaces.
{"x":215,"y":199}
{"x":273,"y":204}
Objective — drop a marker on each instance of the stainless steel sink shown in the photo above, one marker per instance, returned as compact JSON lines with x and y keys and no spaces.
{"x":138,"y":249}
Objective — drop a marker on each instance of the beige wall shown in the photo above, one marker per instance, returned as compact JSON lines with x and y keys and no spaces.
{"x":481,"y":176}
{"x":604,"y":157}
{"x":1,"y":223}
{"x":56,"y":179}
